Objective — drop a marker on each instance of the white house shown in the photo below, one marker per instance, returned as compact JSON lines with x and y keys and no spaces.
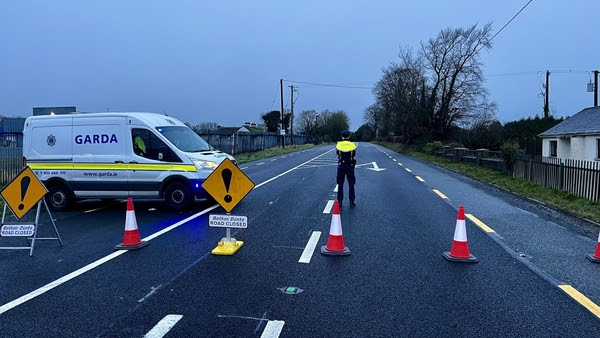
{"x":577,"y":137}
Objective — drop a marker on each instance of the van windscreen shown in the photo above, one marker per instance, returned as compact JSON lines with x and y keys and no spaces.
{"x":184,"y":138}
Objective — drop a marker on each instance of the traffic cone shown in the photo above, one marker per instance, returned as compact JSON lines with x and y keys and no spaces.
{"x":131,"y":238}
{"x":460,"y":248}
{"x":596,"y":256}
{"x":335,"y":245}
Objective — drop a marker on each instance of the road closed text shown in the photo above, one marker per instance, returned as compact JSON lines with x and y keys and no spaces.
{"x":227,"y":221}
{"x":17,"y":230}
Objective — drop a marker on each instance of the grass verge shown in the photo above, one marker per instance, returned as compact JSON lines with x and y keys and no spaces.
{"x":259,"y":155}
{"x":558,"y":199}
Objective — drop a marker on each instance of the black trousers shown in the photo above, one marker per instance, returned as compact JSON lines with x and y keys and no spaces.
{"x":343,"y":172}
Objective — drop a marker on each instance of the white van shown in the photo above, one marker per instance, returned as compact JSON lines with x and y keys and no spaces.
{"x":118,"y":155}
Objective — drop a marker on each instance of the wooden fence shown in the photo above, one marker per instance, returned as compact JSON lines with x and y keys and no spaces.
{"x":244,"y":142}
{"x":581,"y":178}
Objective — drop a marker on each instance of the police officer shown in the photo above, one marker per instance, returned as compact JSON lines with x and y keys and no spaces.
{"x":346,"y":151}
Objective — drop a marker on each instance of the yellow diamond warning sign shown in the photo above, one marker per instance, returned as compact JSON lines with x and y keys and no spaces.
{"x":23,"y":192}
{"x":228,"y":185}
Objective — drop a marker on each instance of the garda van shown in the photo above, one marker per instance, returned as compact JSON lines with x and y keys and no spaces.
{"x":118,"y":155}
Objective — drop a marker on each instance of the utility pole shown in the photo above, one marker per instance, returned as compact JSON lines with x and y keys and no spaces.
{"x":282,"y":130}
{"x":546,"y":106}
{"x":596,"y":88}
{"x":292,"y":114}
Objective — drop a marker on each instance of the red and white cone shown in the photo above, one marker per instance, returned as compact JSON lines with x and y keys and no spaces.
{"x":459,"y":252}
{"x":335,"y":245}
{"x":596,"y":256}
{"x":131,"y":238}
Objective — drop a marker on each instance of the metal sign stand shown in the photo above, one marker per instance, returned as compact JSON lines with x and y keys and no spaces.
{"x":35,"y":225}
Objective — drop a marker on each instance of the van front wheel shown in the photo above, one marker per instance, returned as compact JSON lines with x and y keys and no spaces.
{"x":179,"y":196}
{"x":59,"y":197}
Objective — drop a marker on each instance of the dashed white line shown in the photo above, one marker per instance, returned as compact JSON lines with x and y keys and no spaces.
{"x":328,"y":207}
{"x":310,"y":247}
{"x":273,"y":329}
{"x":336,"y":188}
{"x":410,"y":171}
{"x":163,"y":327}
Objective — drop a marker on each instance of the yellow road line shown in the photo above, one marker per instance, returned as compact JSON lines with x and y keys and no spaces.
{"x":581,"y":299}
{"x":420,"y":179}
{"x":479,"y":223}
{"x":440,"y":193}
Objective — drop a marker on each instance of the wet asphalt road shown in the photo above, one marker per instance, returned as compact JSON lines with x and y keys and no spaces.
{"x":394,"y":283}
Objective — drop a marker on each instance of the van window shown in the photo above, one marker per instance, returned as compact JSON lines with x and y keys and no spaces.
{"x":148,"y":145}
{"x":184,"y":138}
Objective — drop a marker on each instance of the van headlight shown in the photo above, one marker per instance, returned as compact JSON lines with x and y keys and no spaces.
{"x":204,"y":164}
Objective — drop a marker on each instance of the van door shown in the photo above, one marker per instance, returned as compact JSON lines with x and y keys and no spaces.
{"x":99,"y":148}
{"x":149,"y":162}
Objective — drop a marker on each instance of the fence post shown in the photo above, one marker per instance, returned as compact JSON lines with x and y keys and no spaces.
{"x":530,"y":170}
{"x":561,"y":176}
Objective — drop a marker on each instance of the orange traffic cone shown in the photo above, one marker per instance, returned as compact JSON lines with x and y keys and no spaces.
{"x":460,"y":248}
{"x":131,"y":239}
{"x":596,"y":256}
{"x":335,"y":245}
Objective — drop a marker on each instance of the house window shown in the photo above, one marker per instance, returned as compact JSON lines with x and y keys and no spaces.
{"x":553,"y":148}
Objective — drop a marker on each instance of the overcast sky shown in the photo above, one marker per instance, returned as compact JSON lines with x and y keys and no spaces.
{"x":221,"y":61}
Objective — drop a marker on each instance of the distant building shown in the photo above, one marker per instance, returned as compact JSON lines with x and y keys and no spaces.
{"x":53,"y":110}
{"x":11,"y":132}
{"x":577,"y":137}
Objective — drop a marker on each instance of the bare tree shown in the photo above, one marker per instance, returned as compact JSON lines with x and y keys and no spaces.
{"x":204,"y":127}
{"x":400,"y":97}
{"x":306,"y":123}
{"x":452,"y":60}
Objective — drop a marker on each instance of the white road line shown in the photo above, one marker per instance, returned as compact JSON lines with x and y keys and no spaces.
{"x":91,"y":266}
{"x":410,"y":171}
{"x":336,"y":188}
{"x":58,"y":282}
{"x":310,"y":247}
{"x":273,"y":329}
{"x":261,"y":163}
{"x":290,"y":170}
{"x":328,"y":207}
{"x":163,"y":327}
{"x":113,"y":255}
{"x":420,"y":179}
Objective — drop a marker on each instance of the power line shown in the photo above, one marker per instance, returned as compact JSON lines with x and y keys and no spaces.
{"x":506,"y":24}
{"x":328,"y":85}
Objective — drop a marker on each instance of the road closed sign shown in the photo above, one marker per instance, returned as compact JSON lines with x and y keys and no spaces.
{"x":228,"y":221}
{"x":9,"y":230}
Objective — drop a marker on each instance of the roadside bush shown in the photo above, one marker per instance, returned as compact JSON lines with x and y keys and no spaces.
{"x":509,"y":150}
{"x":431,"y":147}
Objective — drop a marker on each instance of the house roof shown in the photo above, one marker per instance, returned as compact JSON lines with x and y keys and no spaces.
{"x":586,"y":122}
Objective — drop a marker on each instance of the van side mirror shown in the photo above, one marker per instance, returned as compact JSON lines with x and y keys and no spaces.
{"x":160,"y":156}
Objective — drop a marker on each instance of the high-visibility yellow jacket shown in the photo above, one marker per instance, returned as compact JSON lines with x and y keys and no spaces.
{"x":346,"y":151}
